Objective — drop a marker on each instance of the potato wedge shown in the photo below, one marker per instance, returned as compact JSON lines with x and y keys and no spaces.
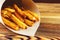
{"x":28,"y":22}
{"x":10,"y":24}
{"x":18,"y":22}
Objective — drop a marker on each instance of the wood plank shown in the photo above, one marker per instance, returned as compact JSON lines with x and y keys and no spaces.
{"x":50,"y":12}
{"x":50,"y":19}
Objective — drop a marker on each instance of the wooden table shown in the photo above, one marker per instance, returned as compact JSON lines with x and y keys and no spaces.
{"x":50,"y":19}
{"x":45,"y":29}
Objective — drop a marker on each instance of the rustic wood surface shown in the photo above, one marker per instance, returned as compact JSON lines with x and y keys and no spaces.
{"x":44,"y":29}
{"x":51,"y":11}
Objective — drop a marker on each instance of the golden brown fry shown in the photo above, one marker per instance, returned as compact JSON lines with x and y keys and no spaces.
{"x":6,"y":13}
{"x":18,"y":22}
{"x":19,"y":10}
{"x":19,"y":17}
{"x":34,"y":14}
{"x":29,"y":16}
{"x":10,"y":24}
{"x":28,"y":22}
{"x":9,"y":9}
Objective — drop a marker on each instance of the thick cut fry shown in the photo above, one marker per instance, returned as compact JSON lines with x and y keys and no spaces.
{"x":29,"y":16}
{"x":34,"y":14}
{"x":19,"y":17}
{"x":28,"y":22}
{"x":10,"y":24}
{"x":9,"y":9}
{"x":19,"y":10}
{"x":18,"y":22}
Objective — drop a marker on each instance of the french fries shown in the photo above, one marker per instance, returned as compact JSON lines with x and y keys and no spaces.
{"x":9,"y":9}
{"x":16,"y":14}
{"x":18,"y":22}
{"x":10,"y":24}
{"x":29,"y":16}
{"x":34,"y":14}
{"x":19,"y":10}
{"x":28,"y":22}
{"x":19,"y":17}
{"x":6,"y":13}
{"x":24,"y":13}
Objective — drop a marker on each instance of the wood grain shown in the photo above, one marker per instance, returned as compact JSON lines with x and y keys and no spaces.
{"x":50,"y":12}
{"x":50,"y":19}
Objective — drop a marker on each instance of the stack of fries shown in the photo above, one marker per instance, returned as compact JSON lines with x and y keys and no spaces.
{"x":16,"y":18}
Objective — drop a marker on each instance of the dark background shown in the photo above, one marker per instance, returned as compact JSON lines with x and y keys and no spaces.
{"x":48,"y":1}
